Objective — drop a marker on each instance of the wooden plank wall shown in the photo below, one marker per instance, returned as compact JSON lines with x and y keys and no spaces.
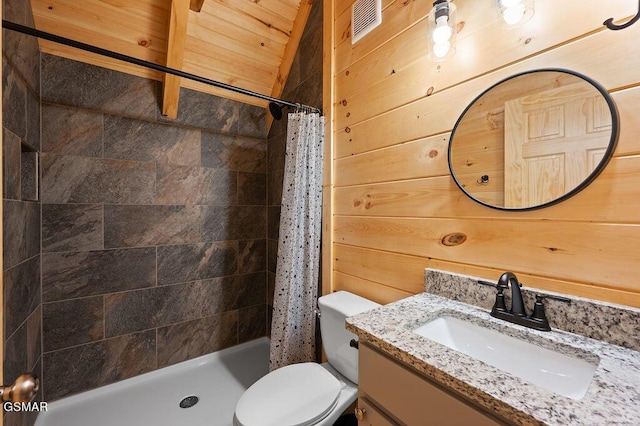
{"x":394,"y":205}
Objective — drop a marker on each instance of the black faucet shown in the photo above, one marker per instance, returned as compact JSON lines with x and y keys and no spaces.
{"x":517,"y":305}
{"x":517,"y":314}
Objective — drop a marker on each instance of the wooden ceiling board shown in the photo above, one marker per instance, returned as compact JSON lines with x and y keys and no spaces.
{"x":207,"y":37}
{"x":287,"y":10}
{"x":217,"y":60}
{"x":138,"y":37}
{"x":225,"y":64}
{"x":144,"y":7}
{"x":142,"y":51}
{"x":254,"y":11}
{"x":224,"y":57}
{"x":237,"y":18}
{"x":245,"y":43}
{"x":107,"y":17}
{"x":255,"y":41}
{"x":209,"y":24}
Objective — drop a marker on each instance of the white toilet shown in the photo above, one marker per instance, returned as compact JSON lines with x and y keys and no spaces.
{"x":309,"y":393}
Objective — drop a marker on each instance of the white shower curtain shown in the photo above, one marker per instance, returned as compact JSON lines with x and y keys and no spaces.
{"x":294,"y":320}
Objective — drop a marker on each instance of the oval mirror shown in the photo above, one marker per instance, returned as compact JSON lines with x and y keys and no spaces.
{"x":533,"y":139}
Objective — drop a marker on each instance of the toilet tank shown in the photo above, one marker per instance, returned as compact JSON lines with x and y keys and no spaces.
{"x":334,"y":309}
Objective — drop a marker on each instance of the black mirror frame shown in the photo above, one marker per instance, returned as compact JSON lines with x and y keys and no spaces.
{"x":615,"y":126}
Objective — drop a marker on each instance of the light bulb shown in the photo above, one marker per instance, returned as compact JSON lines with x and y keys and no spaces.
{"x":513,"y":15}
{"x":442,"y":32}
{"x":440,"y":50}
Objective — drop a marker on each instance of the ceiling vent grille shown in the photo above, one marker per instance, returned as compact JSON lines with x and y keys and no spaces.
{"x":365,"y":16}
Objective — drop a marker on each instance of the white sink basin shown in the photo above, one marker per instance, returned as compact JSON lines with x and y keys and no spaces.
{"x":559,"y":373}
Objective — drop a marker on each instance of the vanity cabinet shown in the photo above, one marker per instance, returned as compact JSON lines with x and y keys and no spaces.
{"x":392,"y":394}
{"x":368,"y":414}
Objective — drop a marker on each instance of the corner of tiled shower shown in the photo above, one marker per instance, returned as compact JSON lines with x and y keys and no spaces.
{"x":149,"y":241}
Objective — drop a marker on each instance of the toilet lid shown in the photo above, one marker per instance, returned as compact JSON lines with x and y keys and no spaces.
{"x":295,"y":395}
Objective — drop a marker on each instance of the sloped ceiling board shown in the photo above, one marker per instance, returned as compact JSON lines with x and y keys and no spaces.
{"x":141,"y":29}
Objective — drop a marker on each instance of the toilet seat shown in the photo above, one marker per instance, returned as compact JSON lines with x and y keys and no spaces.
{"x":295,"y":395}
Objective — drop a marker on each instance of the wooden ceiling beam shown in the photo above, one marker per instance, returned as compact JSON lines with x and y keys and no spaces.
{"x":196,"y":5}
{"x":178,"y":17}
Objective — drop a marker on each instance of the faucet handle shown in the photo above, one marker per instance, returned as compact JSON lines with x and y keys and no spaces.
{"x":538,"y":306}
{"x":538,"y":309}
{"x":538,"y":313}
{"x":499,"y":305}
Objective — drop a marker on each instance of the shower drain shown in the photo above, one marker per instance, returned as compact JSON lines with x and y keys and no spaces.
{"x":189,"y":401}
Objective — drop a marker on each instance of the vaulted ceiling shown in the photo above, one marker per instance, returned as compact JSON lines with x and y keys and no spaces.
{"x":246,"y":43}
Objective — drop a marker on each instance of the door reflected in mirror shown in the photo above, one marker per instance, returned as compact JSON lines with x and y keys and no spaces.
{"x":533,"y":139}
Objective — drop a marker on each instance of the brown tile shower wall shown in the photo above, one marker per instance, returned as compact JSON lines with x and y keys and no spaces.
{"x":304,"y":85}
{"x":153,"y":231}
{"x":21,"y":208}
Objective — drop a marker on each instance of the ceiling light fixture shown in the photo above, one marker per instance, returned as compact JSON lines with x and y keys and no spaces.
{"x":442,"y":31}
{"x":512,"y":13}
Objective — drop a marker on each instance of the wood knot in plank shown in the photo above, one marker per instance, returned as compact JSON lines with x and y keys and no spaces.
{"x":144,"y":43}
{"x":492,"y":120}
{"x":454,"y":239}
{"x":553,"y":249}
{"x":433,"y":153}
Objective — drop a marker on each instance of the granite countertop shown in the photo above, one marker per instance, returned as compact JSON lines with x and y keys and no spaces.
{"x":613,"y":396}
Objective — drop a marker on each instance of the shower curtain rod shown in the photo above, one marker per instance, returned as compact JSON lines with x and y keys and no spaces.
{"x":115,"y":55}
